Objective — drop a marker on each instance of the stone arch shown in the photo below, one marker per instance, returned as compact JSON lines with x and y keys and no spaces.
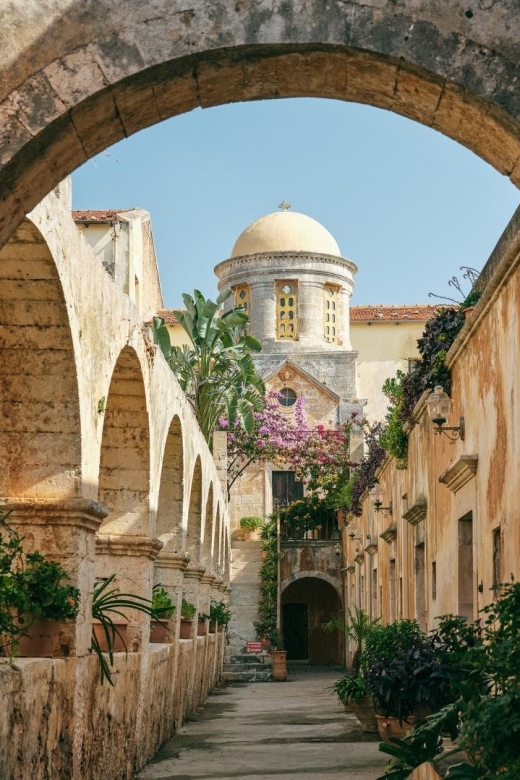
{"x":171,"y":489}
{"x":72,"y":89}
{"x":207,"y":548}
{"x":308,"y":600}
{"x":40,"y":456}
{"x":320,"y":575}
{"x":193,"y":531}
{"x":124,"y":471}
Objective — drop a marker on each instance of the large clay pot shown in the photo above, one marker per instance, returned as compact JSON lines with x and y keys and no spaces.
{"x":364,"y":711}
{"x":279,"y":668}
{"x":185,"y":629}
{"x":391,"y":727}
{"x":159,"y":632}
{"x":119,"y":639}
{"x":40,"y":640}
{"x":201,"y":628}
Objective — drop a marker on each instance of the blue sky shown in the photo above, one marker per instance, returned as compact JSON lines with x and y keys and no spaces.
{"x":406,"y":204}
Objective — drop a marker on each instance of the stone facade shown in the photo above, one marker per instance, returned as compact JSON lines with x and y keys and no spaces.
{"x":453,"y":532}
{"x":106,"y":472}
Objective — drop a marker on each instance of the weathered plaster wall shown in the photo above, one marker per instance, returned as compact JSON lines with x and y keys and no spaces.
{"x":77,"y":78}
{"x":95,"y":429}
{"x":479,"y":487}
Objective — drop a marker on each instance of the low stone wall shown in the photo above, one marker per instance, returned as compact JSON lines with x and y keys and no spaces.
{"x":63,"y":724}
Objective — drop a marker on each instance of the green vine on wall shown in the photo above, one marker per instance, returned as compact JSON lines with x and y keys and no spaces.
{"x":266,"y":627}
{"x":394,"y":439}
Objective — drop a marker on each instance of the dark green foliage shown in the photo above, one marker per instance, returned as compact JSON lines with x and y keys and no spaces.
{"x":31,"y":587}
{"x":393,"y":438}
{"x":188,"y":609}
{"x":350,"y":688}
{"x":219,"y":613}
{"x":162,"y":605}
{"x":439,"y":334}
{"x":216,"y":372}
{"x":266,"y":627}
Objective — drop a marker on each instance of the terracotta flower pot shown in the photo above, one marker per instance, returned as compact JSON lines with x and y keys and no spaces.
{"x":40,"y":640}
{"x":185,"y":629}
{"x":119,"y":640}
{"x":279,"y":670}
{"x":364,"y":711}
{"x":201,"y":628}
{"x":159,"y":632}
{"x":391,"y":727}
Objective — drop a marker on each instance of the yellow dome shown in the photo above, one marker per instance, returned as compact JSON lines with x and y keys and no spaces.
{"x":285,"y":231}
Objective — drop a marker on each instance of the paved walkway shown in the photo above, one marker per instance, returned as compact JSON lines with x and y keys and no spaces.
{"x":261,"y":731}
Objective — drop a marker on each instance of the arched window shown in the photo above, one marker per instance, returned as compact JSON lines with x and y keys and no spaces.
{"x":331,"y":313}
{"x":287,"y":310}
{"x":242,"y":297}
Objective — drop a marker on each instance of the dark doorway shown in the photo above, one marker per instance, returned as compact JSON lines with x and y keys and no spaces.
{"x":296,"y":631}
{"x":312,"y":602}
{"x":286,"y":488}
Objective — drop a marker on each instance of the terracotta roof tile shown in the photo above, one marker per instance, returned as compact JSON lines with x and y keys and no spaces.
{"x":373,"y":313}
{"x":168,"y":316}
{"x":101,"y":217}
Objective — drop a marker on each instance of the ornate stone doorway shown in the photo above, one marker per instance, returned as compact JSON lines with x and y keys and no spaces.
{"x":308,"y":603}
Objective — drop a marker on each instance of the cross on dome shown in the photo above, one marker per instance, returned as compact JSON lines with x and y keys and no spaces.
{"x":284,"y":205}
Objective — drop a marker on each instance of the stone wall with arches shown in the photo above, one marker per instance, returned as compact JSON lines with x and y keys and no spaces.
{"x":105,"y":471}
{"x":76,"y":80}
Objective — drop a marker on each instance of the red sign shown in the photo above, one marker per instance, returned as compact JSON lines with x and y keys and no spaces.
{"x":253,"y":647}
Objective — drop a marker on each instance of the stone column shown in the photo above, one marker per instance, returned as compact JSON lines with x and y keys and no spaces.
{"x":191,"y":589}
{"x":169,"y":572}
{"x":310,"y":314}
{"x":263,"y":310}
{"x":131,"y":558}
{"x":65,"y":531}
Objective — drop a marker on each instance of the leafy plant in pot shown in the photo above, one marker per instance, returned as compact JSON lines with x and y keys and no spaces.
{"x":251,"y":526}
{"x":163,"y":609}
{"x":353,"y":693}
{"x":188,"y":611}
{"x":219,"y":614}
{"x":109,"y":622}
{"x":405,"y":675}
{"x":279,"y":656}
{"x":34,"y":597}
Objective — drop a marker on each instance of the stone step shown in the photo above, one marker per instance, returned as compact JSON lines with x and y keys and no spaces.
{"x":247,"y":676}
{"x":253,"y":668}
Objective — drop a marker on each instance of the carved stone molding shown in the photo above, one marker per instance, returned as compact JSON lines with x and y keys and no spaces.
{"x":194,"y":572}
{"x":350,"y":567}
{"x":135,"y":546}
{"x":389,"y":535}
{"x":461,"y":472}
{"x":169,"y":560}
{"x":416,"y":513}
{"x":360,"y":558}
{"x":75,"y":512}
{"x":207,"y":578}
{"x":371,"y":549}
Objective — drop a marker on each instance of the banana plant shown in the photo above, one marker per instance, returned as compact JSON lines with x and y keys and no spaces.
{"x":216,"y":370}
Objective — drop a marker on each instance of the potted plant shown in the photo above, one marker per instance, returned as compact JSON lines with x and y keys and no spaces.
{"x":202,"y":622}
{"x":162,"y":610}
{"x":251,"y":527}
{"x":188,"y":611}
{"x":405,"y":675}
{"x":109,"y":622}
{"x":279,"y":656}
{"x":352,"y":692}
{"x":34,"y":598}
{"x":219,"y":615}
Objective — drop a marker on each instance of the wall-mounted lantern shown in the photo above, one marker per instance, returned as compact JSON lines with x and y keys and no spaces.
{"x":377,"y":493}
{"x":439,"y":407}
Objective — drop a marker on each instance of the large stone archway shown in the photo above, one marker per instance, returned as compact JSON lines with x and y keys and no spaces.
{"x":77,"y":80}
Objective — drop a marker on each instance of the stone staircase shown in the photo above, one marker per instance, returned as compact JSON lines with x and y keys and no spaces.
{"x":248,"y":668}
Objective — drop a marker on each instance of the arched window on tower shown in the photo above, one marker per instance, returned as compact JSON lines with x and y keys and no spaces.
{"x":331,"y":313}
{"x":287,"y":310}
{"x":242,"y":297}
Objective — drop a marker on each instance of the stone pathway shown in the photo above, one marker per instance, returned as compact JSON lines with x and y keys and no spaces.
{"x":261,"y":731}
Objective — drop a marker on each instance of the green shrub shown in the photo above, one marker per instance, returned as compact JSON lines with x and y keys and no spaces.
{"x":188,"y":610}
{"x":162,"y":605}
{"x":251,"y":523}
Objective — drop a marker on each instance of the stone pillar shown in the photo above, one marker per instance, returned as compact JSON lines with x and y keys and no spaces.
{"x":191,"y":588}
{"x":131,"y":559}
{"x":206,"y":581}
{"x":263,"y":310}
{"x":65,"y":531}
{"x":169,"y":572}
{"x":310,"y":313}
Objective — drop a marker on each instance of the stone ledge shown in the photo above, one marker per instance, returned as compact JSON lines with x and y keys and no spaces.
{"x":416,"y":513}
{"x":460,"y":473}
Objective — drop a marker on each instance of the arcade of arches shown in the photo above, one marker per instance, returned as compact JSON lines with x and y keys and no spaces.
{"x":102,"y":461}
